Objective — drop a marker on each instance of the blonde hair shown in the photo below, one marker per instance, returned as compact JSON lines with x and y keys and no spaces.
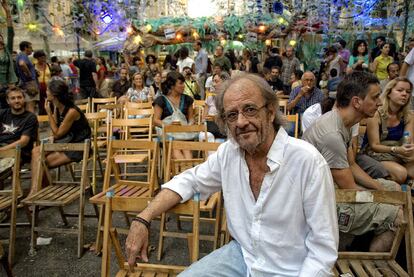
{"x":404,"y":112}
{"x":133,"y":80}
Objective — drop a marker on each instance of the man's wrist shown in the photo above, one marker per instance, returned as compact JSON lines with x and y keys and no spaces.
{"x":143,"y":221}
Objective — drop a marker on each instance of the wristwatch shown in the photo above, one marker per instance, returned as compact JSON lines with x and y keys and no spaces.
{"x":393,"y":149}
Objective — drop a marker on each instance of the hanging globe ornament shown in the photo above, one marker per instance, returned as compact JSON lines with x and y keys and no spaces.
{"x":278,"y":7}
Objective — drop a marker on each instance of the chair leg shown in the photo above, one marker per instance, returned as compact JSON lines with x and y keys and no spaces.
{"x":81,"y":224}
{"x":98,"y":242}
{"x":161,"y":238}
{"x":5,"y":263}
{"x":32,"y":251}
{"x":12,"y":239}
{"x":62,"y":215}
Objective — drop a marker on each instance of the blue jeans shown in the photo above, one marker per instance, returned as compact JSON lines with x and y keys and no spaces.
{"x":225,"y":261}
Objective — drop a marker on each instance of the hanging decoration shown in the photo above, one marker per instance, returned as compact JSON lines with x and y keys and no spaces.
{"x":277,"y":7}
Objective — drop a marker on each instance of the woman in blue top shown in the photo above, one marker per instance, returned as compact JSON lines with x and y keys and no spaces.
{"x":385,"y":131}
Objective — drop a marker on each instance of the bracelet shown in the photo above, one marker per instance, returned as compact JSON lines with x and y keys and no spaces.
{"x":143,"y":221}
{"x":393,"y":149}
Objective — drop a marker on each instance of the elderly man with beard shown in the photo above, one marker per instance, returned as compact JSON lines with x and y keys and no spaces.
{"x":278,"y":193}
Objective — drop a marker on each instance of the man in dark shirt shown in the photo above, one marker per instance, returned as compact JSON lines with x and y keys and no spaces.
{"x":272,"y":78}
{"x":88,"y":77}
{"x":18,"y":126}
{"x":375,"y":52}
{"x":121,"y":86}
{"x":274,"y":59}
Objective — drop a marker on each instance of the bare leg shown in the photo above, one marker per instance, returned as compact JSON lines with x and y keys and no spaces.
{"x":35,"y":163}
{"x":383,"y":242}
{"x":410,"y":169}
{"x":398,"y":173}
{"x":178,"y":154}
{"x":187,"y":154}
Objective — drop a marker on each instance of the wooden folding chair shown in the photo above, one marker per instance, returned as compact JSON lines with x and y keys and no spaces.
{"x":212,"y":205}
{"x":292,"y":127}
{"x":86,"y":101}
{"x":9,"y":197}
{"x":138,"y":106}
{"x":84,"y":108}
{"x":170,"y":130}
{"x":60,"y":193}
{"x":379,"y":263}
{"x":100,"y":130}
{"x":132,"y":204}
{"x":101,"y":101}
{"x":140,"y":128}
{"x":199,"y":106}
{"x":122,"y":152}
{"x":141,"y":132}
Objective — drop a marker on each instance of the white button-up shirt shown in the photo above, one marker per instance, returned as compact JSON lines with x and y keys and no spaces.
{"x":291,"y":230}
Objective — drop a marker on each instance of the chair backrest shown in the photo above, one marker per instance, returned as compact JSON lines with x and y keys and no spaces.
{"x":128,"y":112}
{"x":84,"y":108}
{"x":134,"y":105}
{"x":42,"y":119}
{"x":199,"y":106}
{"x":400,"y":198}
{"x":283,"y":103}
{"x":292,"y":122}
{"x":13,"y":154}
{"x":171,"y":129}
{"x":132,"y":151}
{"x":96,"y":101}
{"x":176,"y":166}
{"x":86,"y":101}
{"x":139,"y":128}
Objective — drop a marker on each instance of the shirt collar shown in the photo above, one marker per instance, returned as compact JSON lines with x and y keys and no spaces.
{"x":276,"y":151}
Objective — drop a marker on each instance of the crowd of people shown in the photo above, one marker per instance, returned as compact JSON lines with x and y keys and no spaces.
{"x":241,"y":102}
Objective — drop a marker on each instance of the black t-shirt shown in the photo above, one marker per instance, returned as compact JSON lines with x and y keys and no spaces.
{"x":120,"y":89}
{"x":13,"y":126}
{"x":86,"y":68}
{"x":185,"y":102}
{"x":273,"y":61}
{"x":276,"y":84}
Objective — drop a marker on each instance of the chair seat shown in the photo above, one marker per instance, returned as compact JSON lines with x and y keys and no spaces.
{"x":130,"y":158}
{"x":54,"y":195}
{"x":367,"y":268}
{"x":153,"y":270}
{"x":5,"y":201}
{"x":122,"y":190}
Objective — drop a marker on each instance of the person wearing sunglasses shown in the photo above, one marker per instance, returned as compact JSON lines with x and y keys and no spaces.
{"x":277,"y":190}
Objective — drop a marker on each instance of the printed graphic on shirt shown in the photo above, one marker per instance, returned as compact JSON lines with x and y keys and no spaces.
{"x":9,"y":129}
{"x":343,"y":219}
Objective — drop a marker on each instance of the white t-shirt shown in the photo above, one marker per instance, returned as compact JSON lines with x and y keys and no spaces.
{"x":183,"y":63}
{"x":209,"y":83}
{"x":409,"y":59}
{"x":314,"y":112}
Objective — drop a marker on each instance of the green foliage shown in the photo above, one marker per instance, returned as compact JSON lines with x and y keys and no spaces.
{"x":234,"y":25}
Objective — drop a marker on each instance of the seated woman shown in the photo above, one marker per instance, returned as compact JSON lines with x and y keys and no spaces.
{"x":138,"y":92}
{"x":174,"y":107}
{"x":68,"y":125}
{"x":210,"y":110}
{"x":383,"y":140}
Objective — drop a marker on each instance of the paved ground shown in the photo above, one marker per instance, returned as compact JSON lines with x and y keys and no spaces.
{"x":59,"y":257}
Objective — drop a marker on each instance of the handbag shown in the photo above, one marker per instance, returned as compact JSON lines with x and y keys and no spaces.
{"x":177,"y":115}
{"x":32,"y":88}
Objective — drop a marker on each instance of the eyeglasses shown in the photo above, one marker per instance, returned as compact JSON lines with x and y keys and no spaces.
{"x":248,"y":111}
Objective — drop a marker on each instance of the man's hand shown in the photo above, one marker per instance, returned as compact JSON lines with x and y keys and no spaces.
{"x":137,"y":243}
{"x":304,"y":91}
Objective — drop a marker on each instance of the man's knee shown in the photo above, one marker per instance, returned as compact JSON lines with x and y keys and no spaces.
{"x":399,"y":218}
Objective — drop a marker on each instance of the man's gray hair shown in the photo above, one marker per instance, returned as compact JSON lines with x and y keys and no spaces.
{"x":267,"y":93}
